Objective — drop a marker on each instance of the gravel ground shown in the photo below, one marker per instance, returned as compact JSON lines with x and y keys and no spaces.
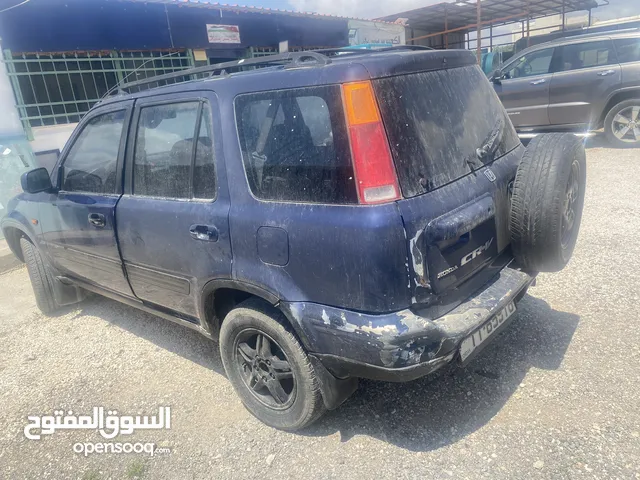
{"x":555,"y":396}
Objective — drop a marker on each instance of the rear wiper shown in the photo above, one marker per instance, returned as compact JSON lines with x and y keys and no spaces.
{"x":489,"y":147}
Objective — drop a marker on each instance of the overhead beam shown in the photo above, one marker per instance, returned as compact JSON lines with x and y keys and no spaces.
{"x":470,"y":26}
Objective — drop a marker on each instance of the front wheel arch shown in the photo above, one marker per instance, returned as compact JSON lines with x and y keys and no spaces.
{"x":12,"y":236}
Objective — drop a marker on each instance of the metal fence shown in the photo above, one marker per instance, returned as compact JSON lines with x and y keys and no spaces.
{"x":59,"y":88}
{"x":266,"y":51}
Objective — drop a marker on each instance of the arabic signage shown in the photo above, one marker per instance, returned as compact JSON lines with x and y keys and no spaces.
{"x":363,"y":32}
{"x":223,"y":33}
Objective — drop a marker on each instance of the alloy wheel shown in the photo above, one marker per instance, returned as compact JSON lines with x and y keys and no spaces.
{"x":626,"y":124}
{"x":265,"y":369}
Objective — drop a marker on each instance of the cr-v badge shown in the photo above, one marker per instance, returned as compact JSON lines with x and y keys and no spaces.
{"x":467,"y":258}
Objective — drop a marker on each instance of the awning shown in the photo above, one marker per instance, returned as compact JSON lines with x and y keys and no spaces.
{"x":462,"y":14}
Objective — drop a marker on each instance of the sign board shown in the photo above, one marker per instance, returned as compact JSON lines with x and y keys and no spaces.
{"x":361,"y":32}
{"x":223,"y":33}
{"x":284,"y":46}
{"x":200,"y":55}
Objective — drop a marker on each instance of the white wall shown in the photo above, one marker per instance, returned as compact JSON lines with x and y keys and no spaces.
{"x":51,"y":138}
{"x":15,"y":157}
{"x":10,"y":125}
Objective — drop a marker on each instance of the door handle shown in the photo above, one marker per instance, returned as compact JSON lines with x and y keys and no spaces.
{"x":205,"y":233}
{"x":538,"y":82}
{"x":97,"y":220}
{"x":606,"y":72}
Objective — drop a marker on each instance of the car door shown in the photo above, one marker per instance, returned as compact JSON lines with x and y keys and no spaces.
{"x":173,"y":220}
{"x":586,"y":76}
{"x":628,"y":51}
{"x":524,"y":88}
{"x":78,"y":222}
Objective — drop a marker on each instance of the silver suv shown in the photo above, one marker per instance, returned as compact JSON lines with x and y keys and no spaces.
{"x":579,"y":83}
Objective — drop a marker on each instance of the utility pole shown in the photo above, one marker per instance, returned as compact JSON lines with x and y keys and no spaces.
{"x":479,"y":31}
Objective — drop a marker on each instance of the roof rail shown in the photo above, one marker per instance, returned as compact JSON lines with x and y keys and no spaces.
{"x":291,"y":59}
{"x":355,"y":50}
{"x":603,"y":33}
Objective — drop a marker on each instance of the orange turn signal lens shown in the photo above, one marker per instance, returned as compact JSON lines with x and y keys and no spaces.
{"x":360,"y":103}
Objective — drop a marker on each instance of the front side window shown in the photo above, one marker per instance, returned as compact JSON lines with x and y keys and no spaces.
{"x":628,"y":49}
{"x":534,"y":63}
{"x":167,"y":162}
{"x":295,"y":145}
{"x":586,"y":55}
{"x":91,"y":163}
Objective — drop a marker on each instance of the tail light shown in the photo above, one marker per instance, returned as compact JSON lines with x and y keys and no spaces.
{"x":372,"y":163}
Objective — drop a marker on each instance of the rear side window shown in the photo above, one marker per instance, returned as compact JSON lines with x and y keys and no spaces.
{"x":91,"y":163}
{"x":295,"y":145}
{"x":204,"y":174}
{"x":586,"y":55}
{"x":167,"y":162}
{"x":436,"y":122}
{"x":628,"y":49}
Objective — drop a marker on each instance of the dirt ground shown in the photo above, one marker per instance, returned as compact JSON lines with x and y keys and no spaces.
{"x":556,"y":395}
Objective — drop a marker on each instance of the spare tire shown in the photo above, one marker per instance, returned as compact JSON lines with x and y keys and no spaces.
{"x":547,"y":202}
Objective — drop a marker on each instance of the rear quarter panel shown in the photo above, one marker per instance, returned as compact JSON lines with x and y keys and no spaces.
{"x":352,"y":257}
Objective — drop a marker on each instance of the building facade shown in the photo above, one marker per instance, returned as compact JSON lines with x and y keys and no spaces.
{"x":62,"y":56}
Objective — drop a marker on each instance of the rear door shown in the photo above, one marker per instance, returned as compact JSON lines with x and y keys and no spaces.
{"x":456,"y":153}
{"x":587,"y":73}
{"x":173,"y":218}
{"x":524,"y":88}
{"x":78,"y":222}
{"x":628,"y":50}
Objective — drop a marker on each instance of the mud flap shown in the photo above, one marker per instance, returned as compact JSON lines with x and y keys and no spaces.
{"x":66,"y":293}
{"x":335,"y":391}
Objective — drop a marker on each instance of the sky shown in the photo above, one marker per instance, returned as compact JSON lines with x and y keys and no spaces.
{"x":377,"y":8}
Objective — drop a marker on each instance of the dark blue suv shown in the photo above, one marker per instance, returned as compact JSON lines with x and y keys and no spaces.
{"x":324,"y":215}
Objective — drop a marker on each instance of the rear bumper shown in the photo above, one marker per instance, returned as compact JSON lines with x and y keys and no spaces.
{"x":404,"y":345}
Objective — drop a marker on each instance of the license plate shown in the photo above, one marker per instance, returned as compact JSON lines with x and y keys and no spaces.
{"x":489,"y":328}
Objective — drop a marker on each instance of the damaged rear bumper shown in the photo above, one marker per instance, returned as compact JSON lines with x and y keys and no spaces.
{"x":404,"y":345}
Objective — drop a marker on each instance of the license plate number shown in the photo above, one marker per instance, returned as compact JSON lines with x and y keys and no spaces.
{"x":489,"y":328}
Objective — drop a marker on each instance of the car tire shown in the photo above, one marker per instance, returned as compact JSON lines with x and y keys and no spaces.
{"x":547,"y":202}
{"x":254,"y":367}
{"x":40,"y":277}
{"x":629,"y":110}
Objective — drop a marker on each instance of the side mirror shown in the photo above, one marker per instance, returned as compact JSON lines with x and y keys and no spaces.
{"x":496,"y":76}
{"x":36,"y":181}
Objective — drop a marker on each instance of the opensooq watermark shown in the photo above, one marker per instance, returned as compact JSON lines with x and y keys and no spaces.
{"x":109,"y":426}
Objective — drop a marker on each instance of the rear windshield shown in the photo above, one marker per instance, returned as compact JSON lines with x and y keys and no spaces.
{"x":295,"y":145}
{"x":442,"y":125}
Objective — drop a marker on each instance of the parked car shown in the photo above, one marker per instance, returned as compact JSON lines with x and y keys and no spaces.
{"x":370,"y":214}
{"x":579,"y":83}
